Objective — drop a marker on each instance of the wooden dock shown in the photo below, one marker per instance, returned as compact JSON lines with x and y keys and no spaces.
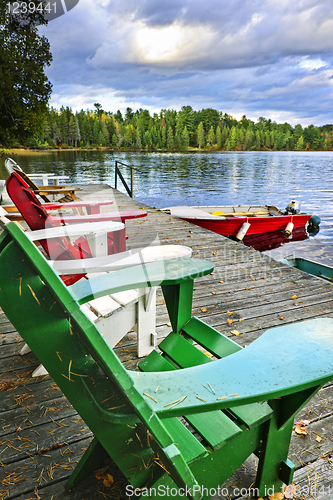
{"x":42,"y":437}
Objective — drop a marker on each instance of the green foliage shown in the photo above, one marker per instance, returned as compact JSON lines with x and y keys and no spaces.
{"x":24,"y":88}
{"x":172,"y":130}
{"x":200,"y":135}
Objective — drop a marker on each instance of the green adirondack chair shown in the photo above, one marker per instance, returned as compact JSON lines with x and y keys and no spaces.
{"x":243,"y":402}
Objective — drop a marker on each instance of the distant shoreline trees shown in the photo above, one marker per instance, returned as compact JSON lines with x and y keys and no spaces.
{"x":172,"y":130}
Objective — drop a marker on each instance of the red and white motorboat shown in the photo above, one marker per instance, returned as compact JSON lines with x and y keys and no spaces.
{"x":239,"y":220}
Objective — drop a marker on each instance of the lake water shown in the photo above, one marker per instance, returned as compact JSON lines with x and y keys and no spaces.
{"x":201,"y":178}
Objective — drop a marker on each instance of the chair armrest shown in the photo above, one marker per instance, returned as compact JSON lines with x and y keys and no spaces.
{"x":55,"y":190}
{"x":92,"y":206}
{"x":75,"y":230}
{"x":249,"y":375}
{"x":108,"y":216}
{"x":167,"y":272}
{"x":121,"y":260}
{"x":95,"y":233}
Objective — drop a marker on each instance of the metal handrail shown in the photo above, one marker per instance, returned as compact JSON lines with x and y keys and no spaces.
{"x":117,"y":172}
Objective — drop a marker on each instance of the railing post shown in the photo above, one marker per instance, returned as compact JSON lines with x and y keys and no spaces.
{"x":131,"y":182}
{"x":118,"y":173}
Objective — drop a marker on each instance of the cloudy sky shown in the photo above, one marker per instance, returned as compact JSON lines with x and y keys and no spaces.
{"x":271,"y":58}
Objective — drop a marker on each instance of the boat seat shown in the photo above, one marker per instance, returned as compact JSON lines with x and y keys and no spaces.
{"x":184,"y":212}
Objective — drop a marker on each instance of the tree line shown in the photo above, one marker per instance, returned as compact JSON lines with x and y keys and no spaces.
{"x":175,"y":130}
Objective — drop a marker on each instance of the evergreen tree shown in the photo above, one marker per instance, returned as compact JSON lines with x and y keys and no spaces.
{"x":114,"y":141}
{"x":110,"y":125}
{"x":71,"y":130}
{"x":164,"y":136}
{"x":241,"y":138}
{"x":100,"y":139}
{"x":148,"y":139}
{"x":211,"y":136}
{"x":138,"y":142}
{"x":98,"y":110}
{"x":170,"y":139}
{"x":118,"y":117}
{"x":248,"y":139}
{"x":200,"y":135}
{"x":77,"y":131}
{"x":186,"y":119}
{"x":185,"y":138}
{"x":258,"y":141}
{"x":300,"y":143}
{"x":129,"y":115}
{"x":233,"y":138}
{"x":129,"y":135}
{"x":218,"y":137}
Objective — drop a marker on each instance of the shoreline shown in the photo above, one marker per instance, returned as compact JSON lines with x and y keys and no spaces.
{"x":17,"y":151}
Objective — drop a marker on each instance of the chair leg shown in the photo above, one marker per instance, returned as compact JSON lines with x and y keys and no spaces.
{"x":93,"y":458}
{"x":274,"y":466}
{"x":273,"y":457}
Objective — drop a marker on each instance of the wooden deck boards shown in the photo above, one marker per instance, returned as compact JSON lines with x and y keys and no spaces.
{"x":42,"y":437}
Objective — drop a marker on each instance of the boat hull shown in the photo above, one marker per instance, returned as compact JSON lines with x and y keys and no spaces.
{"x":258,"y":225}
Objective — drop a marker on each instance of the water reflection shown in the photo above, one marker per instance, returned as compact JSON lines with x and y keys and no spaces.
{"x":274,"y":239}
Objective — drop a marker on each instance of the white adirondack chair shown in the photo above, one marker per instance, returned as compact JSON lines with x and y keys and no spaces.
{"x":10,"y":164}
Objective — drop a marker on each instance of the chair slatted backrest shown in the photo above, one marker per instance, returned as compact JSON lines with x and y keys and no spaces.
{"x":30,"y":183}
{"x":37,"y":218}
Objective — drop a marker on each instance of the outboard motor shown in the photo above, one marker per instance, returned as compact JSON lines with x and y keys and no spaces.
{"x":313,"y":225}
{"x":293,"y":208}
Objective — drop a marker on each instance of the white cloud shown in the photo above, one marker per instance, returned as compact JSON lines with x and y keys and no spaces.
{"x":312,"y":64}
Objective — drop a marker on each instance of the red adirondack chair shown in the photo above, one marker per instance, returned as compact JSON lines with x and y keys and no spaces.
{"x":37,"y":217}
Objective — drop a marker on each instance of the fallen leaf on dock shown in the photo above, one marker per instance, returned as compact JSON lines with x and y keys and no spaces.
{"x":294,"y":297}
{"x":302,"y":423}
{"x":277,"y":496}
{"x":108,"y":481}
{"x":230,"y":321}
{"x":318,"y":439}
{"x":203,"y":309}
{"x":213,"y":293}
{"x":229,"y":313}
{"x":300,"y":431}
{"x":235,"y":332}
